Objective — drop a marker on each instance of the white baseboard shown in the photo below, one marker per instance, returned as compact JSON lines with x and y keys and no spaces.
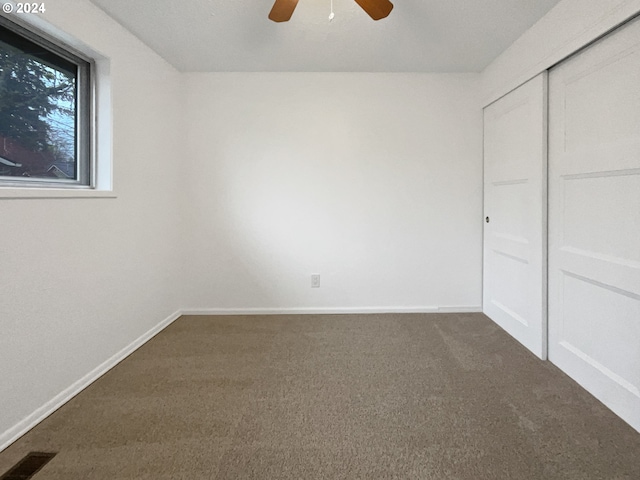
{"x":22,"y":427}
{"x":330,"y":310}
{"x":461,"y":309}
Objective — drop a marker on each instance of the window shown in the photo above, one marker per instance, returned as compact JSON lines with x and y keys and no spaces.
{"x":45,"y":112}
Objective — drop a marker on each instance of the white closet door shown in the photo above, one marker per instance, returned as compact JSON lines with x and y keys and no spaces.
{"x":594,"y":220}
{"x":515,"y":203}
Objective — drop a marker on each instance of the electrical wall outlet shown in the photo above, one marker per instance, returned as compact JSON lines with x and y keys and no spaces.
{"x":315,"y":281}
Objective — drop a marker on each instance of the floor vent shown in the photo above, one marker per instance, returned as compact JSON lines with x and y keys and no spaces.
{"x":28,"y":466}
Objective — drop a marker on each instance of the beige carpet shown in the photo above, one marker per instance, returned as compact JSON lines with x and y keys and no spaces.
{"x":420,"y":396}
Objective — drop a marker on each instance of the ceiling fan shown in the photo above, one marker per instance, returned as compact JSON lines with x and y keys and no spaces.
{"x":377,"y":9}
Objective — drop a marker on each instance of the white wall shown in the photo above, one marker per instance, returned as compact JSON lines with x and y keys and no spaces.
{"x":373,"y":181}
{"x":82,"y":278}
{"x":569,"y":26}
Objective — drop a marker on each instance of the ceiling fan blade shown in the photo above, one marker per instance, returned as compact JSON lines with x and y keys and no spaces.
{"x":376,"y":9}
{"x":282,"y":10}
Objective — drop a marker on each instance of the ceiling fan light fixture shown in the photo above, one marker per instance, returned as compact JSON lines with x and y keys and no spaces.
{"x":376,"y":9}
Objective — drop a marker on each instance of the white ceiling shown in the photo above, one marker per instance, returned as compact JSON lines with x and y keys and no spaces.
{"x":418,"y":35}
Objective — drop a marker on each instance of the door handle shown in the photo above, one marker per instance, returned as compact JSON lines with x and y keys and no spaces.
{"x":486,"y":219}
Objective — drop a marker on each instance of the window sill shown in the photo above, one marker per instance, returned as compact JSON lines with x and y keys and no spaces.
{"x":17,"y":193}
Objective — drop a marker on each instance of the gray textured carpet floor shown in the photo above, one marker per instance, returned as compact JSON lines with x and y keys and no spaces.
{"x":420,"y":396}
